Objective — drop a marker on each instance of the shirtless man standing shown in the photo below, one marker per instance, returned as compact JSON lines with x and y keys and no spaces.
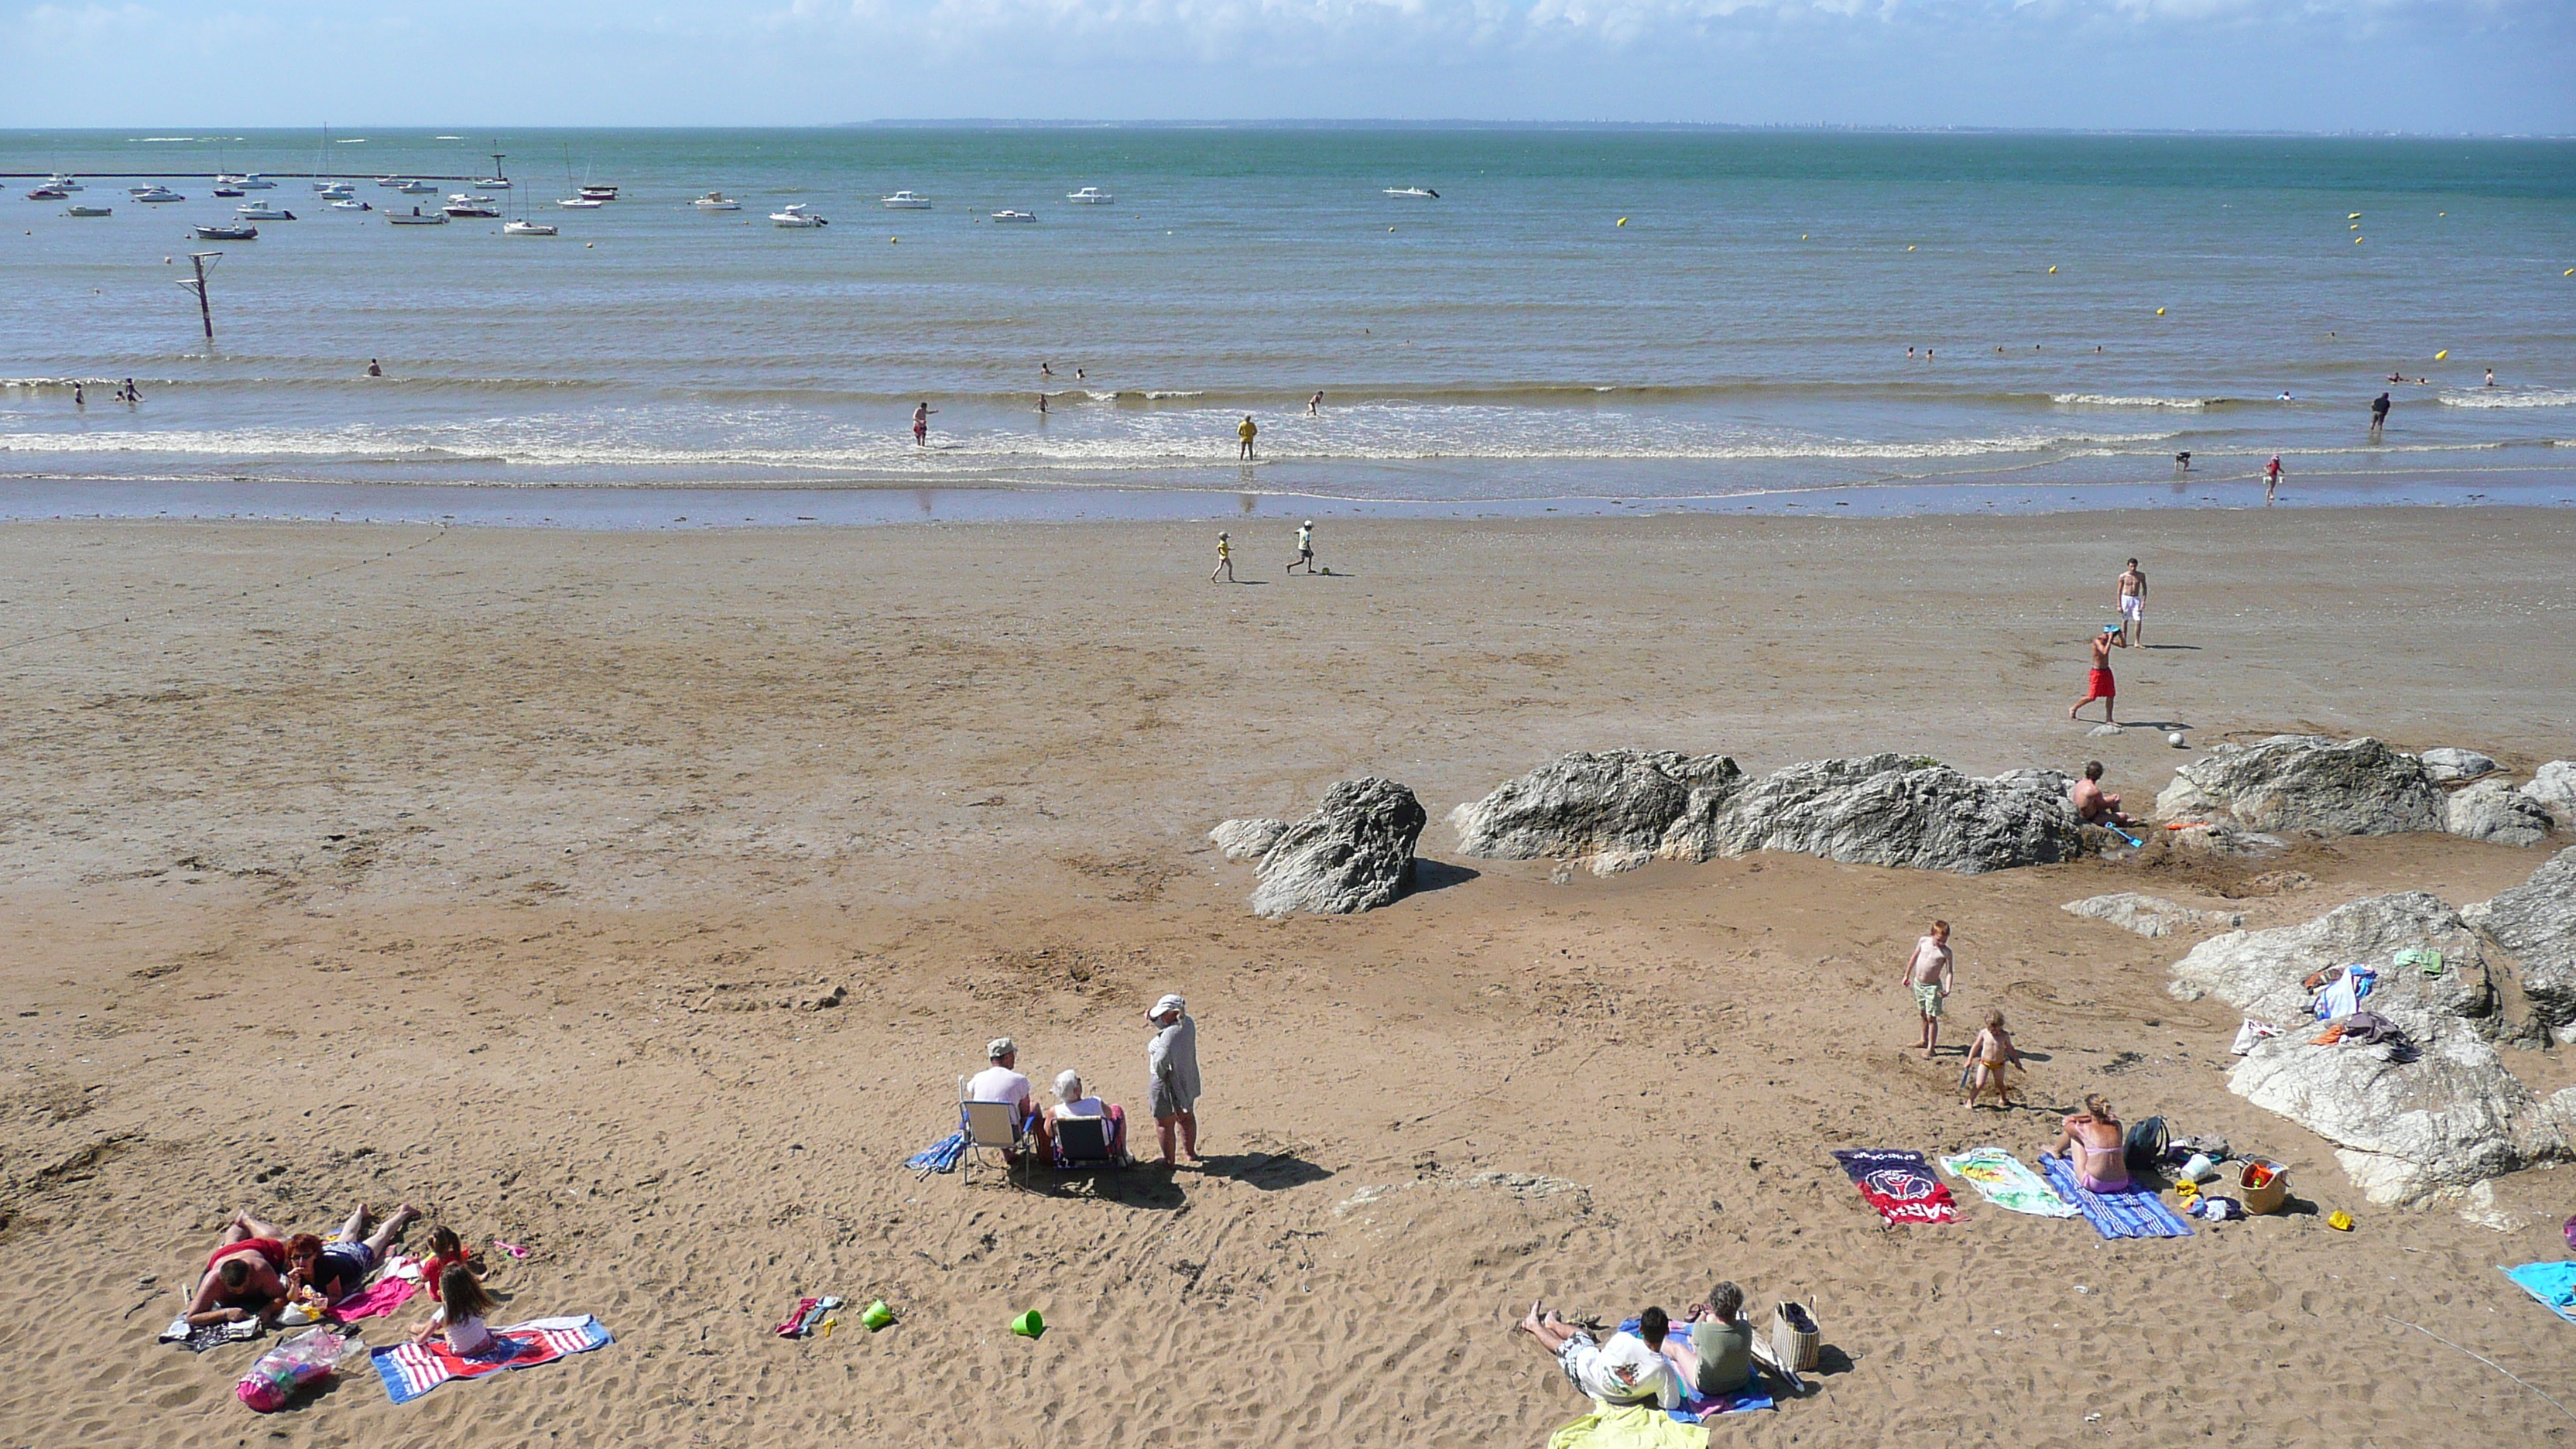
{"x":2101,"y":686}
{"x":1927,"y":973}
{"x":2131,"y":601}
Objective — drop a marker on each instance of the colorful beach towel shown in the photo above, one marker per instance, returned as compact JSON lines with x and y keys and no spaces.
{"x":1900,"y":1185}
{"x":384,"y":1295}
{"x":413,"y":1369}
{"x":2554,"y":1284}
{"x":1628,"y":1426}
{"x":2136,"y":1213}
{"x":1697,"y":1406}
{"x":2000,"y":1178}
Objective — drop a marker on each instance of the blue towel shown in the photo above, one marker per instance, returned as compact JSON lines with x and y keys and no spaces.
{"x":2554,"y":1284}
{"x":1697,"y":1408}
{"x":2136,"y":1213}
{"x":940,"y":1156}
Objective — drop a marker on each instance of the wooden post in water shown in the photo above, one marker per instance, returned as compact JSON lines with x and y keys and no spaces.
{"x":205,"y":313}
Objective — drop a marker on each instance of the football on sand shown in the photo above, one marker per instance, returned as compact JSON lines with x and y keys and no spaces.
{"x":2174,"y":739}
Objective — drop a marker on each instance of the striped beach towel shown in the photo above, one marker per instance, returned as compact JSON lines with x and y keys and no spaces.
{"x":413,"y":1369}
{"x":2136,"y":1213}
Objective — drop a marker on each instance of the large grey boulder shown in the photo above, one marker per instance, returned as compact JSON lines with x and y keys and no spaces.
{"x":1247,"y":839}
{"x":2151,"y":915}
{"x":1888,"y":810}
{"x":2496,"y":813}
{"x":2306,"y":782}
{"x":2450,"y":1116}
{"x":2448,"y":766}
{"x":1354,"y":853}
{"x":2536,"y":922}
{"x":1592,"y":803}
{"x":2553,"y":788}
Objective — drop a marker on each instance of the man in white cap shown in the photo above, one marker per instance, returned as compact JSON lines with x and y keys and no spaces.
{"x":1002,"y":1082}
{"x":1172,"y":1072}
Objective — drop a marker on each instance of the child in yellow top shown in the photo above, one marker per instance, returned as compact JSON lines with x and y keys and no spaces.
{"x":1224,"y":560}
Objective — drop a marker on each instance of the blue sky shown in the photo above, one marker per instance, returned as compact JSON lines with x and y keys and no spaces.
{"x":2420,"y":65}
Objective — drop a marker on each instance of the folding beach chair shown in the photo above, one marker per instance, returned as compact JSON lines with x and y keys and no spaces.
{"x":989,"y":1127}
{"x":1082,"y":1145}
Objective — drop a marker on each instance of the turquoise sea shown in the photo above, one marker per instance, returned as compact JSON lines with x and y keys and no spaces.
{"x":1583,"y":320}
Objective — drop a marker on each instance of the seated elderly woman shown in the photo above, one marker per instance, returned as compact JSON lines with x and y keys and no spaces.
{"x":1073,"y":1101}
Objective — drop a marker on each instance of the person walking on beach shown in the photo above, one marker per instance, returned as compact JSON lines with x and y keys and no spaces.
{"x":921,"y":424}
{"x":1315,"y":404}
{"x":1305,"y":547}
{"x":2271,"y":479}
{"x":2378,"y":412}
{"x":1927,"y":974}
{"x":2100,"y":685}
{"x":1172,"y":1072}
{"x":2130,"y":598}
{"x":1245,"y":433}
{"x":1224,"y":560}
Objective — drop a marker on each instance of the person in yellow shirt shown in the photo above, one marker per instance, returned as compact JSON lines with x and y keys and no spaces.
{"x":1246,"y":432}
{"x":1224,"y":558}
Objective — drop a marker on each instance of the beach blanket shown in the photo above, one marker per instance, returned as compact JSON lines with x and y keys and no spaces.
{"x":2554,"y":1284}
{"x":1697,"y":1406}
{"x":2001,"y":1179}
{"x":413,"y":1369}
{"x":1628,"y":1426}
{"x":1900,"y":1185}
{"x":2136,"y":1213}
{"x":201,"y":1337}
{"x":384,"y":1295}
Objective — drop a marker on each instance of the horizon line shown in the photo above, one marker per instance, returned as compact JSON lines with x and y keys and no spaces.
{"x":1292,"y":123}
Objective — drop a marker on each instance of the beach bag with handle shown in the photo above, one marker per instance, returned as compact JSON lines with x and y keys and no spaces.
{"x":1795,"y":1336}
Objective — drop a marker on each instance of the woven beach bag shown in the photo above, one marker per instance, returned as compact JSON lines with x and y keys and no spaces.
{"x":2269,"y":1197}
{"x":1795,"y":1335}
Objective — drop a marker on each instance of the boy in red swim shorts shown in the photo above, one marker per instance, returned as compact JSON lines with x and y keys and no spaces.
{"x":2100,"y":686}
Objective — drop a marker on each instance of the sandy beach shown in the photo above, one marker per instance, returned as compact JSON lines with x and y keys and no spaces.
{"x":505,"y":872}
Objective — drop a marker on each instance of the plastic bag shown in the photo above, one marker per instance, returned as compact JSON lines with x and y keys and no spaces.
{"x":297,"y":1363}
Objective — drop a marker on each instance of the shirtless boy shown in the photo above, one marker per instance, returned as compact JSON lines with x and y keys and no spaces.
{"x":1927,"y":973}
{"x":1988,"y":1055}
{"x":2091,"y":805}
{"x":2131,"y":601}
{"x":2100,"y":685}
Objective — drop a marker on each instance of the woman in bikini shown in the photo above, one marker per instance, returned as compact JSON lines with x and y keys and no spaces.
{"x":2095,"y":1138}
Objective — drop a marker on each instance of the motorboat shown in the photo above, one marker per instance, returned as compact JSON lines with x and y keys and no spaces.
{"x":59,"y":182}
{"x":527,"y":228}
{"x":1090,"y":196}
{"x":76,"y":209}
{"x":795,"y":215}
{"x":226,"y":178}
{"x":1414,"y":193}
{"x":350,"y":203}
{"x":390,"y":182}
{"x":467,"y":210}
{"x":494,"y":183}
{"x":416,"y":188}
{"x":48,"y":193}
{"x":228,"y":192}
{"x":157,"y":194}
{"x":418,"y":217}
{"x":215,"y":231}
{"x":467,"y":198}
{"x":261,"y":211}
{"x":592,"y":192}
{"x":580,"y":203}
{"x":716,"y":201}
{"x":1014,"y":216}
{"x":253,"y":181}
{"x":336,"y":190}
{"x":905,"y":201}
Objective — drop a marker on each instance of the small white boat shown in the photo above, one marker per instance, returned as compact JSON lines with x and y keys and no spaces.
{"x":1014,"y":216}
{"x":416,"y":188}
{"x":350,"y":203}
{"x":390,"y":182}
{"x":467,"y":198}
{"x":253,"y":181}
{"x":1090,"y":196}
{"x":468,"y":211}
{"x":79,"y":210}
{"x":795,"y":215}
{"x":336,"y":190}
{"x":229,"y":191}
{"x":494,"y":183}
{"x":905,"y":201}
{"x":213,"y":232}
{"x":716,"y":201}
{"x":601,"y":192}
{"x":48,"y":193}
{"x":1414,"y":193}
{"x":59,"y":182}
{"x":418,"y":217}
{"x":226,"y":178}
{"x":580,"y":203}
{"x":261,"y":211}
{"x":157,"y":194}
{"x":527,"y":228}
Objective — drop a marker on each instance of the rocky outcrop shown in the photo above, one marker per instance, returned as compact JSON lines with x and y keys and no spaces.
{"x":1354,"y":853}
{"x":2404,"y":1126}
{"x":2224,"y":842}
{"x":1609,"y":804}
{"x":1247,"y":839}
{"x":2151,"y":915}
{"x":2553,"y":788}
{"x":2306,"y":782}
{"x":2496,"y":813}
{"x":2448,"y":766}
{"x":1888,"y":810}
{"x":2536,"y":922}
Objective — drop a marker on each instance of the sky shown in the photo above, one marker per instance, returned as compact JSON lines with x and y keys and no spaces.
{"x":2488,"y":66}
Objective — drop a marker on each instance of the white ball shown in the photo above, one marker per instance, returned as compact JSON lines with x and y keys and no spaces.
{"x":2175,"y":739}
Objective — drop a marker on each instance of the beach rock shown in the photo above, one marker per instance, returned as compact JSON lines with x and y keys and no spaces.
{"x":2553,"y":788}
{"x":2495,"y":812}
{"x":1354,"y":853}
{"x":2404,"y":1127}
{"x":2306,"y":782}
{"x":2102,"y":731}
{"x":2448,"y":766}
{"x":2536,"y":923}
{"x":1609,"y":805}
{"x":1888,"y":810}
{"x":1247,"y":839}
{"x":2224,"y":842}
{"x":2151,"y":915}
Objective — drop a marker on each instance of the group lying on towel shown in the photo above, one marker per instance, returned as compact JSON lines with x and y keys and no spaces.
{"x":1711,"y":1358}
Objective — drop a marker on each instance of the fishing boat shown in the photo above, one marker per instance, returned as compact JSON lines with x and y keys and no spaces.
{"x":253,"y":181}
{"x":1090,"y":196}
{"x":468,"y":210}
{"x":228,"y":192}
{"x":1413,"y":193}
{"x":60,"y":182}
{"x":1014,"y":216}
{"x":716,"y":201}
{"x":216,"y":231}
{"x":795,"y":215}
{"x":76,"y":209}
{"x":156,"y":194}
{"x":418,"y":217}
{"x":905,"y":201}
{"x":527,"y":228}
{"x":591,"y":192}
{"x":350,"y":203}
{"x":48,"y":193}
{"x":261,"y":211}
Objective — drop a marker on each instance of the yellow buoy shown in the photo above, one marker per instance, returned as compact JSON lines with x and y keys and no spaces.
{"x":1623,"y":221}
{"x":2356,"y":226}
{"x":2443,"y":355}
{"x":1909,"y":249}
{"x":2160,"y":311}
{"x":2570,"y":272}
{"x":2052,"y":271}
{"x":894,"y":241}
{"x":2356,"y":241}
{"x":1802,"y":236}
{"x":2352,"y":216}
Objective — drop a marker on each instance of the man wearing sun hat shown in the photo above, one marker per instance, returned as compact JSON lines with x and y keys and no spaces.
{"x":1172,"y":1071}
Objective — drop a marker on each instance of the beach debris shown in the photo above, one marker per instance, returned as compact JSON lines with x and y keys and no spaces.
{"x":2449,"y":766}
{"x":1593,"y":803}
{"x":2496,"y":813}
{"x":1355,"y":853}
{"x":2405,"y":1125}
{"x":2151,"y":915}
{"x":2536,"y":922}
{"x":1894,"y":810}
{"x":2306,"y":782}
{"x":1247,"y":839}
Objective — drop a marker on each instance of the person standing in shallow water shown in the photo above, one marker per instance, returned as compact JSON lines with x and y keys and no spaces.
{"x":1172,"y":1076}
{"x":1245,"y":433}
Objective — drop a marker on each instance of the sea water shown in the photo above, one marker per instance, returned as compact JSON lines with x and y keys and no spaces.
{"x":1583,"y":320}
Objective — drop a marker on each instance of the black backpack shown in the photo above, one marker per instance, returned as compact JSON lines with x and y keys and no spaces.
{"x":2146,"y":1145}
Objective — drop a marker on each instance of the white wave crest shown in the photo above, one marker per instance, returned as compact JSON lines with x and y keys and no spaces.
{"x":2107,"y":400}
{"x":2509,"y":397}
